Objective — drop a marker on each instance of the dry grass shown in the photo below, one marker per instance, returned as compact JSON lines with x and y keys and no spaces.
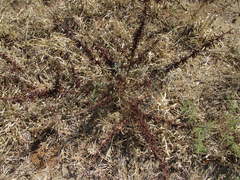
{"x":119,"y":89}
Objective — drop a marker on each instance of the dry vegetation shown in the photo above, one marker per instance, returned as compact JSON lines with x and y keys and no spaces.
{"x":125,"y":89}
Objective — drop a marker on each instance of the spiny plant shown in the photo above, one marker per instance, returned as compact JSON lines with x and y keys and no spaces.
{"x":101,"y":80}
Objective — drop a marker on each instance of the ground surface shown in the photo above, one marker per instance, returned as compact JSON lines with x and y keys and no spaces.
{"x":93,"y":89}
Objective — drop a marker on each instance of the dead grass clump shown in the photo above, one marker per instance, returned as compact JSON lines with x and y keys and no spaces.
{"x":117,"y":90}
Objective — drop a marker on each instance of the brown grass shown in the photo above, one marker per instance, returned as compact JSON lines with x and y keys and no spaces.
{"x":119,"y":89}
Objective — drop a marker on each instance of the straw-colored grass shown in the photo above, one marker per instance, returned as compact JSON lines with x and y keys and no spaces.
{"x":119,"y":89}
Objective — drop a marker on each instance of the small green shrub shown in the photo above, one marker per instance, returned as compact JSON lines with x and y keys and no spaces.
{"x":199,"y":142}
{"x":188,"y":111}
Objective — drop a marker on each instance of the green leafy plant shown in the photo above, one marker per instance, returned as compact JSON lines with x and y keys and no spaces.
{"x":232,"y":124}
{"x":94,"y":97}
{"x":200,"y":136}
{"x":231,"y":144}
{"x":188,"y":111}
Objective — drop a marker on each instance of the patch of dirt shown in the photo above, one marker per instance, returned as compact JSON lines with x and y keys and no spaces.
{"x":44,"y":154}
